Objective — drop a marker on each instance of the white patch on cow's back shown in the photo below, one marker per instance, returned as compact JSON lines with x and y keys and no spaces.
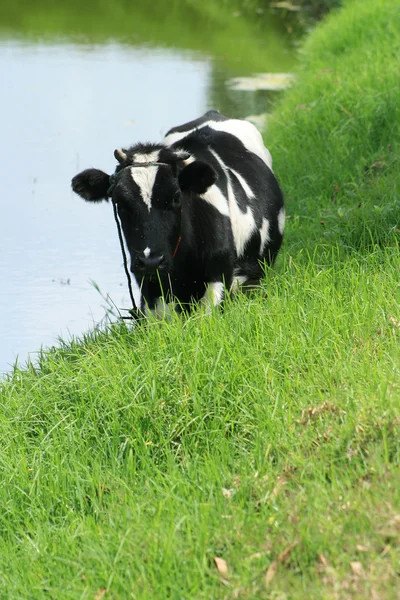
{"x":281,"y":220}
{"x":246,"y":132}
{"x":243,"y":224}
{"x":247,"y":189}
{"x":144,"y":177}
{"x":216,"y":198}
{"x":149,"y":157}
{"x":172,"y":138}
{"x":264,"y":234}
{"x":213,"y":195}
{"x":146,"y":252}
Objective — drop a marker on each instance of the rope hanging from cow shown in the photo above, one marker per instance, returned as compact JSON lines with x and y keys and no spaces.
{"x":134,"y":311}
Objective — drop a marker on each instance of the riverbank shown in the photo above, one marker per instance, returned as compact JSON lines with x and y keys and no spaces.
{"x":298,"y":15}
{"x":266,"y":436}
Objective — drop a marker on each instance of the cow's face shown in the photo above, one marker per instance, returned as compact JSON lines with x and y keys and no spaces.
{"x":149,"y":202}
{"x":150,"y":199}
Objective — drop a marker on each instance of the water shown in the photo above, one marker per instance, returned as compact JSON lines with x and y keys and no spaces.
{"x":73,"y":90}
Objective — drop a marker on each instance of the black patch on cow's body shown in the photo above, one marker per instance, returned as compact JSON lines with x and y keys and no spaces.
{"x":194,"y":238}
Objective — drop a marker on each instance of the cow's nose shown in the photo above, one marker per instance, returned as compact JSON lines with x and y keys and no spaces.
{"x":150,"y":264}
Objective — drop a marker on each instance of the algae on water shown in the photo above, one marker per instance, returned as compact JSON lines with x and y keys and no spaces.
{"x":262,"y":81}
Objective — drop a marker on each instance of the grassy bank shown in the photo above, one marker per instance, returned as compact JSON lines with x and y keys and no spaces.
{"x":336,"y":138}
{"x":266,"y":436}
{"x":132,"y":461}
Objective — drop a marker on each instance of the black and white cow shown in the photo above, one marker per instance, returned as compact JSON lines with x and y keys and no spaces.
{"x":200,"y":212}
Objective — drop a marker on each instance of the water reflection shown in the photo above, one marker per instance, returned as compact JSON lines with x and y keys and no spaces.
{"x":66,"y":106}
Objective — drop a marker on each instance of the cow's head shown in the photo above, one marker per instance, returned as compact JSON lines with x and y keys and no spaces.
{"x":149,"y":187}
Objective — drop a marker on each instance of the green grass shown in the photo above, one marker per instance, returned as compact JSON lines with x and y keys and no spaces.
{"x":116,"y":454}
{"x":266,"y":435}
{"x":336,"y":138}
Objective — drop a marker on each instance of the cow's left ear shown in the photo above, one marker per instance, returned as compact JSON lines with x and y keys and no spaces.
{"x":91,"y":185}
{"x":197,"y":177}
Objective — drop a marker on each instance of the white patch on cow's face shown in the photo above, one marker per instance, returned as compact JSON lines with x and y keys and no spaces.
{"x":180,"y":154}
{"x":281,"y":220}
{"x":243,"y":224}
{"x":144,"y":177}
{"x":214,"y":294}
{"x":264,"y":234}
{"x":146,"y":252}
{"x":150,"y":157}
{"x":243,"y":130}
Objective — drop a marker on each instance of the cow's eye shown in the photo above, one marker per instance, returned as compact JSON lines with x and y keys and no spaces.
{"x":176,"y":200}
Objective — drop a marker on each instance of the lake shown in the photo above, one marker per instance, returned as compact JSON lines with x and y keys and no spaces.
{"x":77,"y":82}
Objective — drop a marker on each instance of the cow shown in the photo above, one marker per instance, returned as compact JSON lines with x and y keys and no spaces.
{"x":201,"y":212}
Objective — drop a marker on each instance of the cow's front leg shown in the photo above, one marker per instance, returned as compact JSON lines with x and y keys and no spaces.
{"x":162,"y":309}
{"x":219,"y":279}
{"x":214,"y":294}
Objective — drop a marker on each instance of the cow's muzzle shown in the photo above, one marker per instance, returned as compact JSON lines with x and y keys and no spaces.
{"x":149,"y":265}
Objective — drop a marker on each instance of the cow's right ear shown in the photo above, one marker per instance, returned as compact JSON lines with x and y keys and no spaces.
{"x":91,"y":185}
